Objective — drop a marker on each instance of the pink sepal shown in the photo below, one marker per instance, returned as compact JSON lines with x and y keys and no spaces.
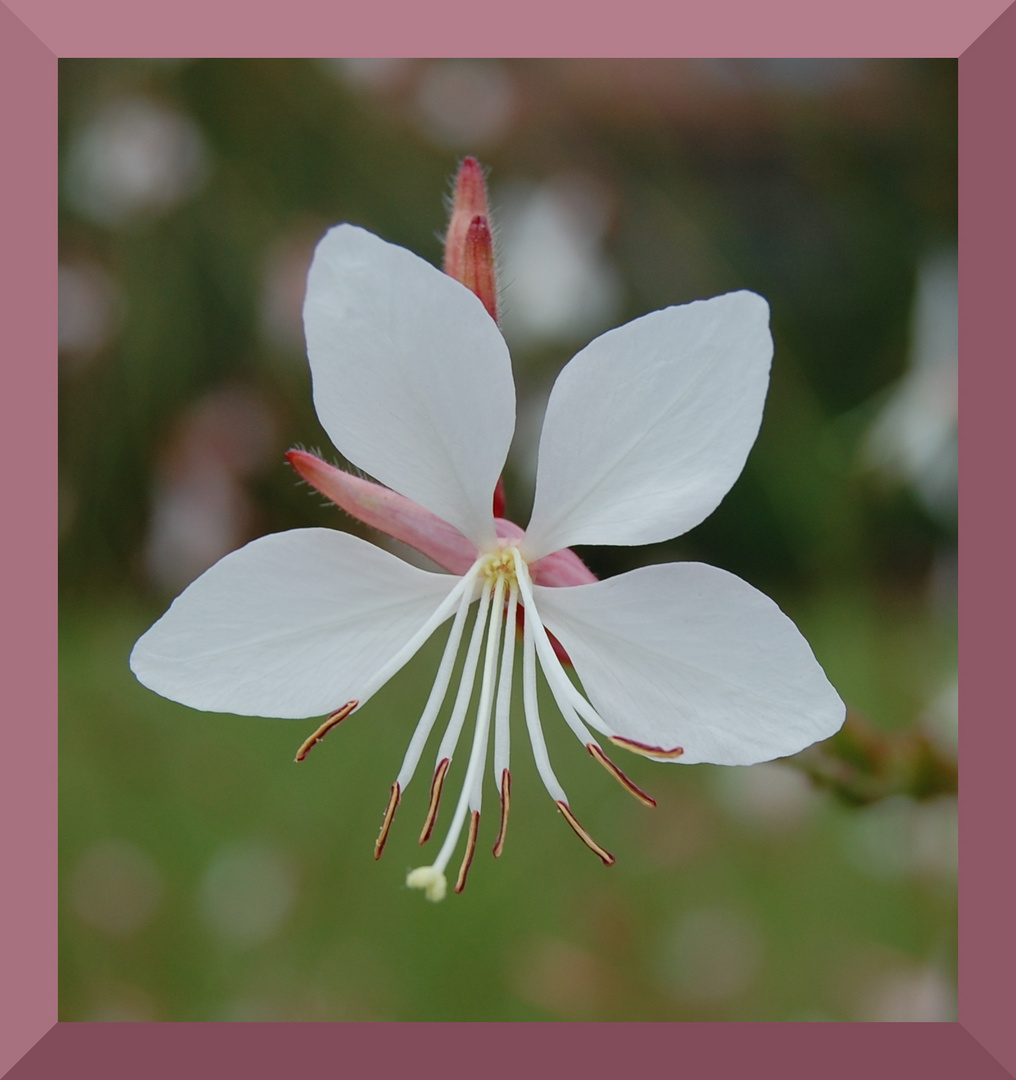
{"x":405,"y":520}
{"x":389,"y":512}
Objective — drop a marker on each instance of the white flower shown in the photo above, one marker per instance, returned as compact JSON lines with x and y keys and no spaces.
{"x":646,"y":430}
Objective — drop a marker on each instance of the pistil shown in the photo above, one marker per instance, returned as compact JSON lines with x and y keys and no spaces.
{"x":470,"y":797}
{"x":507,"y":586}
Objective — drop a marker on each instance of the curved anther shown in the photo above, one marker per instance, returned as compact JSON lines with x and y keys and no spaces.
{"x":573,"y":821}
{"x":333,"y":718}
{"x":506,"y":798}
{"x":657,"y":752}
{"x":467,"y":858}
{"x":615,"y":772}
{"x":435,"y":797}
{"x":393,"y":802}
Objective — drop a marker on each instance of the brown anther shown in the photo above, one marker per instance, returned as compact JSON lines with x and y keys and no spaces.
{"x":435,"y":798}
{"x":334,"y":718}
{"x":615,"y":772}
{"x":608,"y":859}
{"x":506,"y":798}
{"x":393,"y":802}
{"x":467,"y":858}
{"x":657,"y":752}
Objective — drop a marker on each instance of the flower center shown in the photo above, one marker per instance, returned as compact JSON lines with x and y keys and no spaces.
{"x":502,"y":564}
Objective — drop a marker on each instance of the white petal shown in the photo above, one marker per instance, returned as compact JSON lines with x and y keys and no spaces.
{"x":683,"y":654}
{"x":649,"y":426}
{"x":412,"y":379}
{"x":292,"y":625}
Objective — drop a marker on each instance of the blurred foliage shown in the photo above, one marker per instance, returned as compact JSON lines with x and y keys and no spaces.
{"x":862,"y":765}
{"x":822,"y":185}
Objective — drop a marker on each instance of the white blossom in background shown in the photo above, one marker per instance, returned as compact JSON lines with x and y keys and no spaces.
{"x":940,"y":718}
{"x":914,"y":437}
{"x":88,"y":304}
{"x":646,"y":430}
{"x":283,"y":284}
{"x":908,"y":994}
{"x":247,"y":892}
{"x":462,"y":103}
{"x":899,"y":838}
{"x":712,"y":955}
{"x":374,"y":74}
{"x":770,"y":797}
{"x":115,"y":887}
{"x":135,"y":157}
{"x":559,"y":282}
{"x":200,"y":507}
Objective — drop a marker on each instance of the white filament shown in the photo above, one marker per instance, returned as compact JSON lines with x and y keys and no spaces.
{"x":532,"y":710}
{"x":466,"y":680}
{"x":561,"y":686}
{"x":437,"y":693}
{"x":502,"y":714}
{"x":493,"y":698}
{"x":471,"y":786}
{"x":413,"y":646}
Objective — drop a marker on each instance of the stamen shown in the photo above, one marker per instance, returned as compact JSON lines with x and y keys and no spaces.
{"x":466,"y":679}
{"x":532,"y":711}
{"x":565,"y":694}
{"x":608,"y":859}
{"x":571,"y":717}
{"x":467,"y":858}
{"x":393,"y":802}
{"x":506,"y":798}
{"x":657,"y":752}
{"x":435,"y":797}
{"x":437,"y":694}
{"x":469,"y":799}
{"x":334,"y":718}
{"x":502,"y":713}
{"x":557,"y":678}
{"x":478,"y":755}
{"x":619,"y":776}
{"x":416,"y":642}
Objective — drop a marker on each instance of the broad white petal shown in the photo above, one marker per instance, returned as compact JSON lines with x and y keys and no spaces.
{"x":412,"y":379}
{"x":649,"y":426}
{"x":292,"y":625}
{"x":683,"y":654}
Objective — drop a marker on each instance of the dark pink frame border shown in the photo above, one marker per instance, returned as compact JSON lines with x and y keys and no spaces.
{"x":33,"y":33}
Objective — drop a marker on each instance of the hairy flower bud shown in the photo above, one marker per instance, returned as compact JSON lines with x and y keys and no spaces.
{"x":469,"y":243}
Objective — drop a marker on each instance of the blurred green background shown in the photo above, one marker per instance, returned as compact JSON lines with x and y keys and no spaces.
{"x":203,"y":875}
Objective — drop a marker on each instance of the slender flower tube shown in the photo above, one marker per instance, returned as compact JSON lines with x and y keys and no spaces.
{"x":646,"y":430}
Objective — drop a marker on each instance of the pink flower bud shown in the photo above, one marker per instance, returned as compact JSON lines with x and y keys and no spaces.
{"x":469,"y":244}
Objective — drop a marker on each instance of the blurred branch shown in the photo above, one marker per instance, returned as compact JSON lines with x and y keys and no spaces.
{"x":862,"y":765}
